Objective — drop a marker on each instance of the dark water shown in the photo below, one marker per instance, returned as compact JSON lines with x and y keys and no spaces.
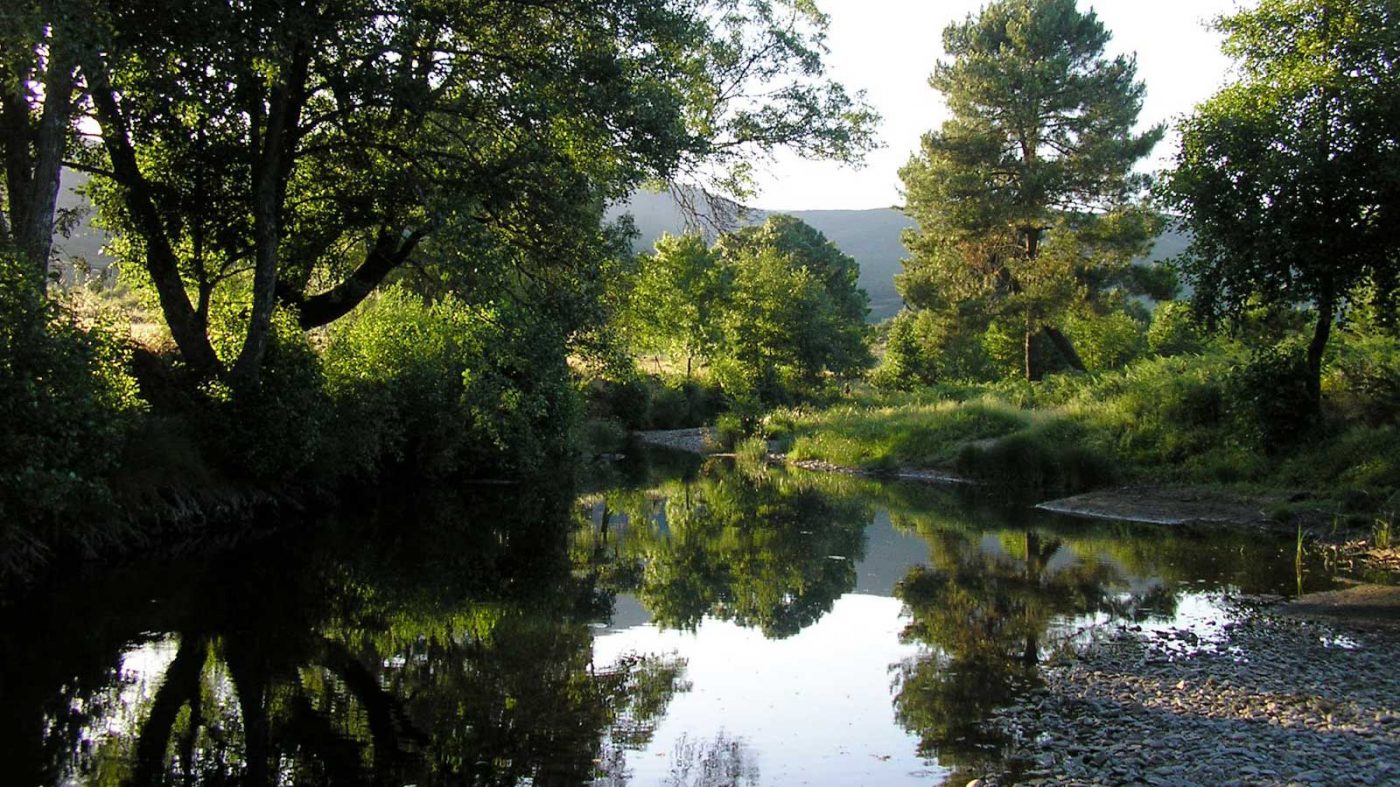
{"x":690,"y":626}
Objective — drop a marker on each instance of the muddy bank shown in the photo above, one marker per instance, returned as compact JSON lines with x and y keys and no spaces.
{"x":1364,"y":605}
{"x":1169,"y":505}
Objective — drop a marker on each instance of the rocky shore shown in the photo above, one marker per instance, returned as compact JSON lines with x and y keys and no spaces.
{"x":1266,"y":699}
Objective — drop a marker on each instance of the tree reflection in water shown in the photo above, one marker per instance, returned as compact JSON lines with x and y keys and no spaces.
{"x":989,"y":607}
{"x":765,"y":550}
{"x":455,"y":649}
{"x":450,"y":641}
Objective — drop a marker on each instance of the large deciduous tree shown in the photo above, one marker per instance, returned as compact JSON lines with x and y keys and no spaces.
{"x":1289,"y":179}
{"x":1025,"y":197}
{"x":676,"y":298}
{"x":299,"y":152}
{"x":794,"y":311}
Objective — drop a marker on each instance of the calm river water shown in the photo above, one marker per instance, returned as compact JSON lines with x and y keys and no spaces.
{"x":673,"y":623}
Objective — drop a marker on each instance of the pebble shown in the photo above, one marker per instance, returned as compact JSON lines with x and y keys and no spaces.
{"x":1268,"y":703}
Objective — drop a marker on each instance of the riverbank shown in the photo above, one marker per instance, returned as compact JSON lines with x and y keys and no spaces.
{"x":1267,"y":698}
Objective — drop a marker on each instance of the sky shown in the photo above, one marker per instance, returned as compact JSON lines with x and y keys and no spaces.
{"x":888,"y":48}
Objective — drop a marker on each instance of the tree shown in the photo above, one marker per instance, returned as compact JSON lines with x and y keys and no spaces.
{"x":39,"y":42}
{"x":298,"y":154}
{"x":1289,"y":179}
{"x":794,"y":310}
{"x":675,"y":299}
{"x":1025,"y":196}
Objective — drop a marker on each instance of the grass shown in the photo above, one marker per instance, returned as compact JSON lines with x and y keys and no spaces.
{"x":922,"y":435}
{"x":1181,"y":419}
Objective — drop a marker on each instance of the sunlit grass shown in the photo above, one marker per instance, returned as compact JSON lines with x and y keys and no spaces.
{"x":1162,"y":419}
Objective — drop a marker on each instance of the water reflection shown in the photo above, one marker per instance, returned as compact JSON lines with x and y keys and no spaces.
{"x":456,"y":650}
{"x":760,"y":549}
{"x":687,"y":625}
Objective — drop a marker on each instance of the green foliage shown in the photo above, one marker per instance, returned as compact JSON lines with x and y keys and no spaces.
{"x":446,"y":387}
{"x":925,"y":347}
{"x":489,"y":135}
{"x":1173,"y":330}
{"x":1363,"y":381}
{"x":1270,"y":398}
{"x":675,"y":298}
{"x":794,"y":313}
{"x":1108,"y":341}
{"x":1286,"y":179}
{"x":1025,"y":197}
{"x":770,"y":309}
{"x":276,"y":427}
{"x":67,"y":405}
{"x":644,"y":402}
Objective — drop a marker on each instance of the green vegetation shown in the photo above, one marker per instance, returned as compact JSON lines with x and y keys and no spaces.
{"x":68,"y":405}
{"x":770,"y":310}
{"x":1029,"y":214}
{"x":1025,"y":197}
{"x":371,"y":236}
{"x":371,"y":241}
{"x":1222,"y":416}
{"x":1286,"y":179}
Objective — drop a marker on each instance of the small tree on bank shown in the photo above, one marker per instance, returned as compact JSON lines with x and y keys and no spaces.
{"x":1025,"y":196}
{"x":1289,"y":180}
{"x":771,"y":308}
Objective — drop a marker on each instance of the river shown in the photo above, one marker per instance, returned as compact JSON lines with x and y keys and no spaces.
{"x":671,"y":622}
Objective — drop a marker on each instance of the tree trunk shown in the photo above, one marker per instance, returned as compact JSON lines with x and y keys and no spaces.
{"x":384,"y":256}
{"x":34,"y":155}
{"x":1028,"y":355}
{"x":1322,"y":331}
{"x":1065,"y":347}
{"x":185,"y":326}
{"x":269,"y":187}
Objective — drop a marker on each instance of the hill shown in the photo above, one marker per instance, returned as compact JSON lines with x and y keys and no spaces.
{"x":871,"y":236}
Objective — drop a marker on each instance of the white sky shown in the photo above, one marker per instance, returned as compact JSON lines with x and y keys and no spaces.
{"x":888,"y":48}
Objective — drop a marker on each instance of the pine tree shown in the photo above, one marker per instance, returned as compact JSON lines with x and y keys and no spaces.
{"x":1025,"y":197}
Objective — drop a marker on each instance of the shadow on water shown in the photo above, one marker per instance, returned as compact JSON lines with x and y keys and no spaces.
{"x":449,"y":639}
{"x":437,"y":641}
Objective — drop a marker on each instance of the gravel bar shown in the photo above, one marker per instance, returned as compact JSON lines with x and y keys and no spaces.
{"x":1269,"y":700}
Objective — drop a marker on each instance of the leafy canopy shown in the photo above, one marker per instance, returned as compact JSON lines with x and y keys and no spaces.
{"x":302,"y":154}
{"x":1289,"y":179}
{"x":1025,"y":197}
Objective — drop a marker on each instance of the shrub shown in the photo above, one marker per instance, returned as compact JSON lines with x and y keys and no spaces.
{"x":1108,"y":341}
{"x":67,"y":404}
{"x":447,"y":386}
{"x":1173,"y":330}
{"x":1269,"y":398}
{"x":275,"y":429}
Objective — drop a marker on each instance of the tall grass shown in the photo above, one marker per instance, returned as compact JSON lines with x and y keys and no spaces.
{"x":1201,"y":418}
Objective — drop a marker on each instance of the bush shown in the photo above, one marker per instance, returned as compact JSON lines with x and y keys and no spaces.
{"x":67,"y":405}
{"x":1268,"y":396}
{"x":627,"y":401}
{"x":925,"y":348}
{"x":276,"y":429}
{"x":1173,"y":330}
{"x":1108,"y":341}
{"x":1364,"y":379}
{"x":447,"y":387}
